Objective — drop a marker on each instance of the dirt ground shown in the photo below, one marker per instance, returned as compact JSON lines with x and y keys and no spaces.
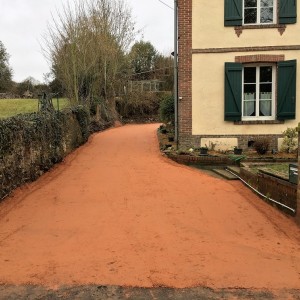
{"x":118,"y":213}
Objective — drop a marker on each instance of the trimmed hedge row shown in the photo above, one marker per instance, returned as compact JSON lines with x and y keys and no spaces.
{"x":31,"y":144}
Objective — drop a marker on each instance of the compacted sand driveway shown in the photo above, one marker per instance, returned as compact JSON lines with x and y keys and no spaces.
{"x":117,"y":212}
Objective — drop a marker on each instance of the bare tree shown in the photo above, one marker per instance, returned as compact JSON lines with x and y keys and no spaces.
{"x":86,"y":47}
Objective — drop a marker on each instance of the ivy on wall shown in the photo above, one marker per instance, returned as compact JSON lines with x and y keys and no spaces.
{"x":31,"y":144}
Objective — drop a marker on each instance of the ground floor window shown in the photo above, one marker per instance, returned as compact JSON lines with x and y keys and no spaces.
{"x":261,"y":91}
{"x":258,"y":92}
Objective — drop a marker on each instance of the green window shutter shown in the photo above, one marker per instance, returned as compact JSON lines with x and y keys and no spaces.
{"x":287,"y":11}
{"x":233,"y":91}
{"x":233,"y":13}
{"x":286,"y":93}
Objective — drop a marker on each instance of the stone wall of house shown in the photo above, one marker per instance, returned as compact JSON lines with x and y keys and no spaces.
{"x":31,"y":144}
{"x":241,"y":141}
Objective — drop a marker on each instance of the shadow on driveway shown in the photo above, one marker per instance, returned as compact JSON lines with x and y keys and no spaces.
{"x":10,"y":292}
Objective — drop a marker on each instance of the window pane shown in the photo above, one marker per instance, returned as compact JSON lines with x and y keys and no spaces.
{"x":266,"y":15}
{"x":265,"y":108}
{"x":266,"y":3}
{"x":265,"y":74}
{"x":249,"y":89}
{"x":250,"y":15}
{"x":265,"y":96}
{"x":250,"y":75}
{"x":250,"y":3}
{"x":265,"y":87}
{"x":249,"y":108}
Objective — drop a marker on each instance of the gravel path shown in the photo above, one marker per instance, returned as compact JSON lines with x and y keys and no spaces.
{"x":117,"y":213}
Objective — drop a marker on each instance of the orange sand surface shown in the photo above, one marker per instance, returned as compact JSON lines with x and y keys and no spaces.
{"x":116,"y":212}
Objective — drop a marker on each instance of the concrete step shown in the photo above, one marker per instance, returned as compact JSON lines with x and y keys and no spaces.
{"x":225,"y":174}
{"x":235,"y":170}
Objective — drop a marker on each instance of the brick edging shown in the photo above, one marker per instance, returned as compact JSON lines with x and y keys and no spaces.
{"x":257,"y":58}
{"x":246,"y":49}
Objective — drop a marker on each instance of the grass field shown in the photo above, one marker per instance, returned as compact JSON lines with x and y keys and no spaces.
{"x":12,"y":107}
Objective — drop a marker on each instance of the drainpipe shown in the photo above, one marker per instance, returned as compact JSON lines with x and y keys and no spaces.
{"x":176,"y":69}
{"x":298,"y":187}
{"x":261,"y":194}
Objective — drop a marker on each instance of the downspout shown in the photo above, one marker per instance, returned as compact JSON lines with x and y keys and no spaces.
{"x":176,"y":69}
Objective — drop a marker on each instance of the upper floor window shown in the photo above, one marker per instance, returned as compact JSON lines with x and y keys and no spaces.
{"x":259,"y":12}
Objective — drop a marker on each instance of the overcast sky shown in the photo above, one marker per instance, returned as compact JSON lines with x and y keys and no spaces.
{"x":24,"y":22}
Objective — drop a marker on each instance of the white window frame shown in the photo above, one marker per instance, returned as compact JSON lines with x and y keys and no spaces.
{"x":258,"y":14}
{"x":274,"y":84}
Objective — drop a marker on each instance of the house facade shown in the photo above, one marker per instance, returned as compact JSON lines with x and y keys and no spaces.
{"x":238,"y":65}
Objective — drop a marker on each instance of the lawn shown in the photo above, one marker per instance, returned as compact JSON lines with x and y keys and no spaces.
{"x":12,"y":107}
{"x":278,"y":170}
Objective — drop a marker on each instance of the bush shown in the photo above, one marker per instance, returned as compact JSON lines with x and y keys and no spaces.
{"x":290,"y":140}
{"x":138,"y":104}
{"x":167,"y":110}
{"x":261,"y":145}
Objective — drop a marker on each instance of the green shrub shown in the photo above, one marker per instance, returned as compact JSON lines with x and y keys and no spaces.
{"x":167,"y":110}
{"x":138,"y":104}
{"x":290,"y":140}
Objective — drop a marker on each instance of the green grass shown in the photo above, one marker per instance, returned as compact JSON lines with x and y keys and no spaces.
{"x":12,"y":107}
{"x":281,"y":170}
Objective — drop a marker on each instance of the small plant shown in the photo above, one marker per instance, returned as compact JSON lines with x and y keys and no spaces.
{"x":203,"y":150}
{"x":181,"y":152}
{"x":237,"y":151}
{"x":212,"y":146}
{"x":290,"y":140}
{"x":166,"y":109}
{"x":261,"y":145}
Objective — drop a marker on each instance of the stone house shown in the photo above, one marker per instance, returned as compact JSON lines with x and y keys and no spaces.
{"x":237,"y":71}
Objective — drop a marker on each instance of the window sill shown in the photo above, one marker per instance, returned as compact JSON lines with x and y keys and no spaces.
{"x":257,"y":122}
{"x":239,"y":29}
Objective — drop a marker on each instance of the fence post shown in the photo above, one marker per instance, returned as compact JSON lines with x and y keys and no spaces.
{"x":298,"y":189}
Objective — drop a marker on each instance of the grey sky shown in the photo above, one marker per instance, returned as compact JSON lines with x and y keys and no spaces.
{"x":24,"y":22}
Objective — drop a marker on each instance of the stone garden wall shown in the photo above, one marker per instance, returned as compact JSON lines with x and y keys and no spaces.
{"x":31,"y":144}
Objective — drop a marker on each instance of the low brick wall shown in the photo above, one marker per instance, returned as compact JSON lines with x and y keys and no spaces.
{"x":275,"y":188}
{"x":200,"y":160}
{"x":31,"y":144}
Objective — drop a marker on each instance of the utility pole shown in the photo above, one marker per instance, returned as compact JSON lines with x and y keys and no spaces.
{"x":176,"y":68}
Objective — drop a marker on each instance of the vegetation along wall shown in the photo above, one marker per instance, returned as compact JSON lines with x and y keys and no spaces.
{"x":31,"y":144}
